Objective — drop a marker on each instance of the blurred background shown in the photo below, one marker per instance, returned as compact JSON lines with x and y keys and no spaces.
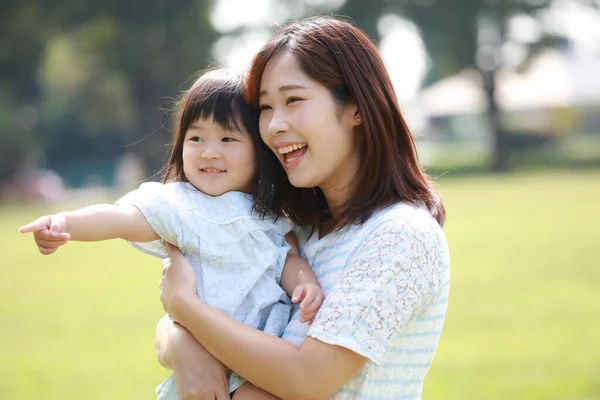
{"x":503,"y":98}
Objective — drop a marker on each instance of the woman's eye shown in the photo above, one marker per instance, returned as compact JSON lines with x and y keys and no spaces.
{"x":292,"y":100}
{"x":196,"y":139}
{"x":228,"y":139}
{"x":264,"y":107}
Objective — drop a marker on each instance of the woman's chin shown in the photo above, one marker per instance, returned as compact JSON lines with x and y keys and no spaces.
{"x":300,"y":180}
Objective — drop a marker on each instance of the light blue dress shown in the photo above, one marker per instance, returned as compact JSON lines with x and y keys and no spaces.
{"x":238,"y":257}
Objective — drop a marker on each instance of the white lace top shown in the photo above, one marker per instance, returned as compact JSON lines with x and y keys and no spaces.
{"x":386,"y":283}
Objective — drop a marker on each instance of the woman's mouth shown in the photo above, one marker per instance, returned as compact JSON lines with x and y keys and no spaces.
{"x":292,"y":154}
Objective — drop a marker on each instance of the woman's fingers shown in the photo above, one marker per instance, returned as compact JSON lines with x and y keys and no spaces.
{"x":172,"y":251}
{"x":223,"y":393}
{"x":166,"y":263}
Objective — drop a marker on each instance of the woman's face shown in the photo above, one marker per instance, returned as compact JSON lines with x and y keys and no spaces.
{"x":312,"y":136}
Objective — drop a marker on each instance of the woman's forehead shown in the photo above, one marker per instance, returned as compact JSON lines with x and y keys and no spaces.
{"x":283,"y":70}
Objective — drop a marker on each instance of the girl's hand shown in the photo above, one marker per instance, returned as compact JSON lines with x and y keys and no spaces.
{"x":49,"y":232}
{"x":178,"y":281}
{"x":312,"y":297}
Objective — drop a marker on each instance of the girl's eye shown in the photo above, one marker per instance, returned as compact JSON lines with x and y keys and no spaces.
{"x":228,"y":139}
{"x":292,"y":100}
{"x":264,"y":107}
{"x":196,"y":139}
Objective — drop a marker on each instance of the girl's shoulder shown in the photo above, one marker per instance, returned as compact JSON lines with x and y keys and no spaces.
{"x":223,"y":209}
{"x":231,"y":211}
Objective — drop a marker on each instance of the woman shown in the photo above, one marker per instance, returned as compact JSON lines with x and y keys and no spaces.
{"x":330,"y":114}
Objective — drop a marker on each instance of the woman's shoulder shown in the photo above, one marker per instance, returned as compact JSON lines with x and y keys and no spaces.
{"x":402,"y":218}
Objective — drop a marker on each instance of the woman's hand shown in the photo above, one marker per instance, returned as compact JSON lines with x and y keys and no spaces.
{"x":198,"y":375}
{"x":178,"y":281}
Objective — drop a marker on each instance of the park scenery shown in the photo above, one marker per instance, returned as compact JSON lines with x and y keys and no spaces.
{"x":502,"y":98}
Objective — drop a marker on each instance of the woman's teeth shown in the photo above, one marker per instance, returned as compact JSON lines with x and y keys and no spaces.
{"x":290,"y":148}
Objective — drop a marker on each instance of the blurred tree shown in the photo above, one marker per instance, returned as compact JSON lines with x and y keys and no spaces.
{"x":158,"y":47}
{"x":97,"y":68}
{"x":20,"y":48}
{"x":460,"y":34}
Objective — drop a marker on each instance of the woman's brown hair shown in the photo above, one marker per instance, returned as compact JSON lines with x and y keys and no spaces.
{"x":342,"y":58}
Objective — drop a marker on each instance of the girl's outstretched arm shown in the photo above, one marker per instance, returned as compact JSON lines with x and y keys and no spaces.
{"x":90,"y":224}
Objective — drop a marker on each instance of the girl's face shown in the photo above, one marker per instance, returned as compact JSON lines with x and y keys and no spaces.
{"x":312,"y":136}
{"x":218,"y":160}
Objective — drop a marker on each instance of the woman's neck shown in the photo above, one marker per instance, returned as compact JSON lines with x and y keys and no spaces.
{"x":337,"y":194}
{"x":340,"y":187}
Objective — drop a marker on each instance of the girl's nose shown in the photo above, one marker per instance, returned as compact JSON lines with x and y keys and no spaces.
{"x":211,"y":152}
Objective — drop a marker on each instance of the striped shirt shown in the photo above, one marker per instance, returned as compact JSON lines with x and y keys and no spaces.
{"x":386,"y":283}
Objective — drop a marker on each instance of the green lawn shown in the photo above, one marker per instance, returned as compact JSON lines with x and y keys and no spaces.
{"x":523,"y":320}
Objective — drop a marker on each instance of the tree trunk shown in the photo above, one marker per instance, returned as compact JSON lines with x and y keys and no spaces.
{"x":501,"y":151}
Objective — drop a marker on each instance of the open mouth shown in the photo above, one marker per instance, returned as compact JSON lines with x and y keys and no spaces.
{"x":293,"y":153}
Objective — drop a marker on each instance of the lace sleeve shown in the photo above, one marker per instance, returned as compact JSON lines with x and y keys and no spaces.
{"x":393,"y":275}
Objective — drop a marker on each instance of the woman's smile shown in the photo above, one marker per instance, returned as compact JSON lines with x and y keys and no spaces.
{"x":292,"y":153}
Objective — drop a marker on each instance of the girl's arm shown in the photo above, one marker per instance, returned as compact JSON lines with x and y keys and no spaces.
{"x":316,"y":370}
{"x":296,"y":270}
{"x":94,"y":223}
{"x":300,"y":282}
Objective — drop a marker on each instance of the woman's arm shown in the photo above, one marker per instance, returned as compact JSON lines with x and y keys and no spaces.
{"x":315,"y":370}
{"x":395,"y":273}
{"x":250,"y":392}
{"x":197,"y":373}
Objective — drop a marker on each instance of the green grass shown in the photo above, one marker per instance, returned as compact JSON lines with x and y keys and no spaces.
{"x":523,"y":320}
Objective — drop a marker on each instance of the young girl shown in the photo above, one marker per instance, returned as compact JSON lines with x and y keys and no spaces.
{"x":215,"y":205}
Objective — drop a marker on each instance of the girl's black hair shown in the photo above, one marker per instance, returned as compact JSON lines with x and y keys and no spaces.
{"x":218,"y":95}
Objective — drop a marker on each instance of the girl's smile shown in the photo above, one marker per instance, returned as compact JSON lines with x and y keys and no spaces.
{"x":218,"y":160}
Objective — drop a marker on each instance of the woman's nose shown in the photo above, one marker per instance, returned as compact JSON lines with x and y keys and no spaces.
{"x":278,"y":123}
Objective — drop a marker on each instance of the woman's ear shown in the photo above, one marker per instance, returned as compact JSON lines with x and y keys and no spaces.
{"x":353,"y":114}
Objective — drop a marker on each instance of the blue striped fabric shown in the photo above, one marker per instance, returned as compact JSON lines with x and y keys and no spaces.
{"x":387,"y":284}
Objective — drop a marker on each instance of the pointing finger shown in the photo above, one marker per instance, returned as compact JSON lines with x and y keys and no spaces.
{"x":38,"y":224}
